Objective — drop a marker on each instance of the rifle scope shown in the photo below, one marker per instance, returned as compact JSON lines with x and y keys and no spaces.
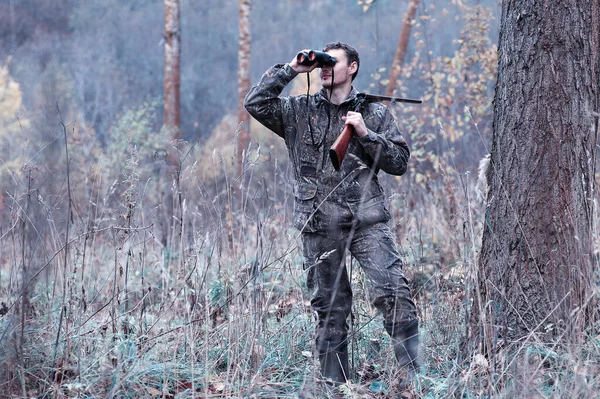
{"x":322,"y":59}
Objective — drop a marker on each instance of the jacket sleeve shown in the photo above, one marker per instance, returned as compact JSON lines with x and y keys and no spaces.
{"x":385,"y":144}
{"x":263,"y":101}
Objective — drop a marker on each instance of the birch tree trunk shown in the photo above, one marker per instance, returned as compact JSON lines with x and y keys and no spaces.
{"x":402,"y":46}
{"x":244,"y":80}
{"x":172,"y":59}
{"x":536,"y":266}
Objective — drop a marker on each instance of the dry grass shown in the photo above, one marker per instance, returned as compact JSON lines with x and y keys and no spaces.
{"x":187,"y":287}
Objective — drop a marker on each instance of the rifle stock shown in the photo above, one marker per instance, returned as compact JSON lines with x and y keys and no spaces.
{"x":337,"y":152}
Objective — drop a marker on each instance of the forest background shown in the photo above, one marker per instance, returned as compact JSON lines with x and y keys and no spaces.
{"x":135,"y":262}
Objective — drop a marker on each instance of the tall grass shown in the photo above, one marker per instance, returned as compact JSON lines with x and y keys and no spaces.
{"x":162,"y":283}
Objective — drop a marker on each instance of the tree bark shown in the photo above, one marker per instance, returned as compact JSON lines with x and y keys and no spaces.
{"x":402,"y":46}
{"x":244,"y":80}
{"x":172,"y":61}
{"x":172,"y":121}
{"x":536,"y":267}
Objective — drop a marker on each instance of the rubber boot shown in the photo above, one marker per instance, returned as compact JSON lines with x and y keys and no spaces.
{"x":334,"y":363}
{"x":406,"y":345}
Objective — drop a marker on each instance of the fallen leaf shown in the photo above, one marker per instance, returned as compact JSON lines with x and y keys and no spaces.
{"x":217,"y":387}
{"x":153,"y":391}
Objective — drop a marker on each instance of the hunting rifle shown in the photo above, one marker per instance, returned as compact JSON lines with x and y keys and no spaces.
{"x":337,"y":152}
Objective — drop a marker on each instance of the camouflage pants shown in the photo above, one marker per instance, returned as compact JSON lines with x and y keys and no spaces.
{"x":374,"y":247}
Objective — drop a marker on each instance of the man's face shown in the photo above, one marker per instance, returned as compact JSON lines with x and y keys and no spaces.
{"x":342,"y":71}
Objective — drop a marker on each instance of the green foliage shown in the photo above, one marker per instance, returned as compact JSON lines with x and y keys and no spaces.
{"x":135,"y":152}
{"x":455,"y":118}
{"x":135,"y":129}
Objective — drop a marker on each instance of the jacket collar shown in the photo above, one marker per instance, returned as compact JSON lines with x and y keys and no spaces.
{"x":321,"y":96}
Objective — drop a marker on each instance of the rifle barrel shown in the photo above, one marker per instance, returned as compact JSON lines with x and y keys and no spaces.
{"x":375,"y":97}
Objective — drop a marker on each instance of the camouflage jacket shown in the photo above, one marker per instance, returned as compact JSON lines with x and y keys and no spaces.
{"x":326,"y":199}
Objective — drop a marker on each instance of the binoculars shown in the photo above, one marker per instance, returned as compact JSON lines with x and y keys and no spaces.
{"x":309,"y":58}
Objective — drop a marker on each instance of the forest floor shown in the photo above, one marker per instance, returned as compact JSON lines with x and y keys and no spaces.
{"x":212,"y":302}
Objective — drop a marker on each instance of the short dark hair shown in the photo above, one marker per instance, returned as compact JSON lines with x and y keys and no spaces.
{"x":350,"y":51}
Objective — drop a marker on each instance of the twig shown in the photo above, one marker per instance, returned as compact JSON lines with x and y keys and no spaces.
{"x":66,"y":246}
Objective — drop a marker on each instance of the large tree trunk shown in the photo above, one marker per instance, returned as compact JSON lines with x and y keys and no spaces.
{"x":244,"y":80}
{"x":402,"y":46}
{"x":172,"y":56}
{"x":536,"y":265}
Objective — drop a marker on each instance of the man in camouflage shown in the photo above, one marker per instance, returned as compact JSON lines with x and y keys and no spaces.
{"x":341,"y":210}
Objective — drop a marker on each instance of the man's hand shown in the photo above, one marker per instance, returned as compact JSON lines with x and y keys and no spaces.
{"x":301,"y":68}
{"x":356,"y":120}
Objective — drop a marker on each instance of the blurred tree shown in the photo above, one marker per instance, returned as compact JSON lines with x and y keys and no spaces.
{"x":12,"y":125}
{"x":172,"y":57}
{"x":536,"y":268}
{"x":244,"y":79}
{"x":26,"y":20}
{"x":402,"y":46}
{"x":11,"y":105}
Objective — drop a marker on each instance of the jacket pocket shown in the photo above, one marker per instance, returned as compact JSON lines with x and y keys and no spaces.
{"x":370,"y":211}
{"x":304,"y":193}
{"x":304,"y":205}
{"x":307,"y":157}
